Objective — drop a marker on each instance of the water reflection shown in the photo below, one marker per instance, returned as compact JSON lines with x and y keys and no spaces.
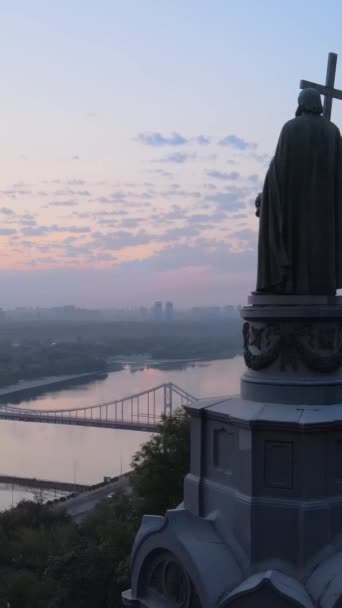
{"x":11,"y":494}
{"x":86,"y":455}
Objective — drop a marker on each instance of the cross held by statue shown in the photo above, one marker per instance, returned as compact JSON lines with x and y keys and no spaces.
{"x":328,"y":89}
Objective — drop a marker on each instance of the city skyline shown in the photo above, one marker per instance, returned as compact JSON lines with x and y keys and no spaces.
{"x":135,"y":138}
{"x":157,"y":311}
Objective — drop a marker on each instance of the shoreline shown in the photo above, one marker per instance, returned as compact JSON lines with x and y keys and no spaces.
{"x":26,"y":390}
{"x":151,"y":362}
{"x":15,"y":393}
{"x":143,"y":361}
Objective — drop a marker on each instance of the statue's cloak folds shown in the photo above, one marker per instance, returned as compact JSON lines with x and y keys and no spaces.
{"x":300,"y":236}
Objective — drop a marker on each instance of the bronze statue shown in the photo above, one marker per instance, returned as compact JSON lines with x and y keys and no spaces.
{"x":300,"y":207}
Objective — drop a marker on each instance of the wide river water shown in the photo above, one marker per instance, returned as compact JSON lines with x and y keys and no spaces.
{"x":84,"y":454}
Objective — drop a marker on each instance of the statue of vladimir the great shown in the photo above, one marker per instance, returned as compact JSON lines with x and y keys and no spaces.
{"x":300,"y":207}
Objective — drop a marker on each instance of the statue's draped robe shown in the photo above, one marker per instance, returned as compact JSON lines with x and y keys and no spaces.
{"x":300,"y":235}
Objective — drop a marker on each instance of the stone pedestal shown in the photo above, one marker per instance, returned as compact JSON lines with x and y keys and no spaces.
{"x":293,"y":349}
{"x":261,"y":523}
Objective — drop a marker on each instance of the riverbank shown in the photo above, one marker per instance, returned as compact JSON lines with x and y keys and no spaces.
{"x":149,"y":361}
{"x":26,"y":389}
{"x":61,"y":452}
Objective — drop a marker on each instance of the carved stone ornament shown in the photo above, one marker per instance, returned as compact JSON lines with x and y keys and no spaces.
{"x":167,"y":583}
{"x":316,"y":345}
{"x":270,"y":589}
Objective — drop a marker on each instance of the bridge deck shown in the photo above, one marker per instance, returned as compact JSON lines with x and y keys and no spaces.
{"x":47,"y":484}
{"x":96,"y":422}
{"x":138,"y":412}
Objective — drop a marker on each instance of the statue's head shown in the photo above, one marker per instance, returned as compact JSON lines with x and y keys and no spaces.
{"x":309,"y":101}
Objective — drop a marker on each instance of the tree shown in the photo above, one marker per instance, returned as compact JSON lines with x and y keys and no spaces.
{"x":96,"y":571}
{"x":47,"y":561}
{"x":159,"y":467}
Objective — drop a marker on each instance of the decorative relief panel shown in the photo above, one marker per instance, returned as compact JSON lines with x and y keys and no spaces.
{"x":317,"y":345}
{"x":223,"y":450}
{"x":278,"y":464}
{"x":166,"y":583}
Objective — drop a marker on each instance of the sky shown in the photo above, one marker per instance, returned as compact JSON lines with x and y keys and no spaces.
{"x":134,"y":138}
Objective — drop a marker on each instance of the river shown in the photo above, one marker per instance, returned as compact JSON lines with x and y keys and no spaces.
{"x":83,"y":454}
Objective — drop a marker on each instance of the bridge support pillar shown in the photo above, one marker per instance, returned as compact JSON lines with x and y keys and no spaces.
{"x":168,"y":399}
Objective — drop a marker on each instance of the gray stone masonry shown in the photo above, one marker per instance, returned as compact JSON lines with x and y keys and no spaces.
{"x":261,"y":522}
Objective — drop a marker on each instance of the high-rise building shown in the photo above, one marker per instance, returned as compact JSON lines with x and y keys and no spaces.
{"x":169,"y":311}
{"x":158,"y":311}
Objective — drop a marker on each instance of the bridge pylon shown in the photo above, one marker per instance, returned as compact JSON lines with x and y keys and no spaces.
{"x":168,"y":399}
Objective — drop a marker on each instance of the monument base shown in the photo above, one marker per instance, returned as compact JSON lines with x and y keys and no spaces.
{"x":261,"y":523}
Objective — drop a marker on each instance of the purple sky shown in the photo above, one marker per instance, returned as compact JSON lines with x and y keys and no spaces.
{"x":134,"y":139}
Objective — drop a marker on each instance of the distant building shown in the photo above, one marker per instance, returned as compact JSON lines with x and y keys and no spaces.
{"x":230,"y":311}
{"x":157,"y":313}
{"x":204,"y":313}
{"x":143,"y":313}
{"x":169,"y":311}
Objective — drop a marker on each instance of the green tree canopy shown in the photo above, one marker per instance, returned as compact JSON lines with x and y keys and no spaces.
{"x":46,"y":561}
{"x":159,"y":467}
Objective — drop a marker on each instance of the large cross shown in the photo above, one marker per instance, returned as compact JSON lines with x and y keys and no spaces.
{"x":328,"y":90}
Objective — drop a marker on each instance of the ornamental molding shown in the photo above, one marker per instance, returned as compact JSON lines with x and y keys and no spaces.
{"x":316,"y":345}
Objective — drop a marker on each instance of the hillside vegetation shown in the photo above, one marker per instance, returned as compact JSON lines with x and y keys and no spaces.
{"x":46,"y":561}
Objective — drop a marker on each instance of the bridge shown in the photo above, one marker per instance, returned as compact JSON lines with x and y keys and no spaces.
{"x":43,"y":484}
{"x":139,"y":412}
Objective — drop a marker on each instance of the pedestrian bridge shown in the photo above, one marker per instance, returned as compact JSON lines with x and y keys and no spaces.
{"x":140,"y":412}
